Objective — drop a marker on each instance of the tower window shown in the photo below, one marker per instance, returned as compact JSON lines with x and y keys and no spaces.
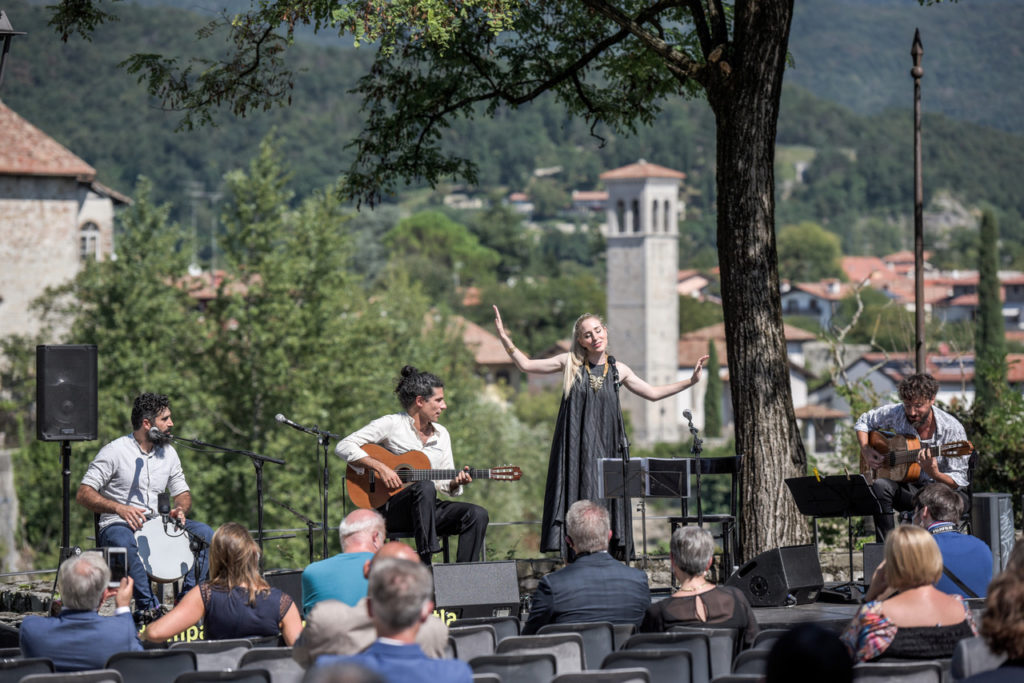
{"x":89,"y":242}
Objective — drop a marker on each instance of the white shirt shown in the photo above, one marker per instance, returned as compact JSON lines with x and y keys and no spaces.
{"x":124,"y":473}
{"x":397,"y":433}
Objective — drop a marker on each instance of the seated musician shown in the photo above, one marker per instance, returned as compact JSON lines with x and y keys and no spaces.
{"x":416,"y":508}
{"x":122,"y":485}
{"x":916,"y":415}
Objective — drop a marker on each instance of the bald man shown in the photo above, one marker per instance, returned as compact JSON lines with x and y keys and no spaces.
{"x":362,"y":533}
{"x":334,"y":628}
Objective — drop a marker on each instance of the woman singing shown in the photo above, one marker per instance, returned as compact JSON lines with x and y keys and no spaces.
{"x":589,"y":425}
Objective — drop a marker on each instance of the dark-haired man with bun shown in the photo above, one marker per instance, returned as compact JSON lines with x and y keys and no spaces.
{"x":122,"y":485}
{"x":916,"y":415}
{"x":417,"y":508}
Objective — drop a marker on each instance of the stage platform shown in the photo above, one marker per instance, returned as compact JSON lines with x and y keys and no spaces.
{"x":833,"y":616}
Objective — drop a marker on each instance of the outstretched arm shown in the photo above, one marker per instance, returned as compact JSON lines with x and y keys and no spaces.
{"x":641,"y":388}
{"x":541,"y":366}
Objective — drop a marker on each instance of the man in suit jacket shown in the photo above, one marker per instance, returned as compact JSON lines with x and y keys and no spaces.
{"x":334,"y":628}
{"x":595,"y":587}
{"x":79,"y":638}
{"x":399,"y":602}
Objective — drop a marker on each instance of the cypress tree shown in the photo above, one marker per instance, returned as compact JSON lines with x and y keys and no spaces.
{"x":989,"y":335}
{"x":713,"y":396}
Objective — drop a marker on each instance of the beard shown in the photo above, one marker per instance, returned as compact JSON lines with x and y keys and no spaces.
{"x":159,"y":438}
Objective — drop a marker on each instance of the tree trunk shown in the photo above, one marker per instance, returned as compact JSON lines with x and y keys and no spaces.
{"x":744,"y":94}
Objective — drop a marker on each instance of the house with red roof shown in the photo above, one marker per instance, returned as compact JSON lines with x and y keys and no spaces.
{"x":54,"y":216}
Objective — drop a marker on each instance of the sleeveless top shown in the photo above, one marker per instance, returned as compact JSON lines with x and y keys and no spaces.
{"x":229,"y":614}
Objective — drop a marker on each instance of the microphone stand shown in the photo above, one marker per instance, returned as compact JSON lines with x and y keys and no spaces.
{"x":627,"y":512}
{"x":310,"y":524}
{"x":323,"y":439}
{"x":695,"y":449}
{"x":257,"y":461}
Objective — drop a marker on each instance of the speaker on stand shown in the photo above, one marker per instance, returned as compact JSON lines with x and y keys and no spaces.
{"x":66,"y":397}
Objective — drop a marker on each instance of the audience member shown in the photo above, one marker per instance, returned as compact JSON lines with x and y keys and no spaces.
{"x":79,"y":638}
{"x":1002,"y":626}
{"x":334,"y":628}
{"x":362,"y":533}
{"x":399,"y":601}
{"x":594,"y":587}
{"x":906,"y":616}
{"x":808,"y":653}
{"x":966,"y":560}
{"x":698,"y":602}
{"x":236,"y":602}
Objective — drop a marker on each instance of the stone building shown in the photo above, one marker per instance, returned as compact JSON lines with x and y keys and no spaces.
{"x":54,"y":216}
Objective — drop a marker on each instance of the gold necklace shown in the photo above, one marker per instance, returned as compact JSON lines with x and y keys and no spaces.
{"x":695,"y":588}
{"x":597,"y":382}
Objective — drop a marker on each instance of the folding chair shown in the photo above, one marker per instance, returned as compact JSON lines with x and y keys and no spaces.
{"x":903,"y":672}
{"x":605,"y":676}
{"x":503,"y":626}
{"x":973,"y":656}
{"x":537,"y":666}
{"x":12,"y":670}
{"x":152,"y":666}
{"x":276,"y":660}
{"x":663,"y":666}
{"x":91,"y":676}
{"x":240,"y":676}
{"x":751,"y":662}
{"x":215,"y":655}
{"x":472,"y":641}
{"x":598,"y":639}
{"x":723,"y":645}
{"x":567,"y":649}
{"x":697,"y":644}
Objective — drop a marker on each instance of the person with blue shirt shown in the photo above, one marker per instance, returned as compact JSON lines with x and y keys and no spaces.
{"x":79,"y":638}
{"x":399,"y":602}
{"x":362,"y":533}
{"x":966,"y":560}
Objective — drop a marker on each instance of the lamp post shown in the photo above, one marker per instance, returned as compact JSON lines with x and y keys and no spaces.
{"x":916,"y":51}
{"x":6,"y":33}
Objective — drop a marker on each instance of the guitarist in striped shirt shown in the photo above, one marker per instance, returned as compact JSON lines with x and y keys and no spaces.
{"x":915,"y":416}
{"x":417,"y":508}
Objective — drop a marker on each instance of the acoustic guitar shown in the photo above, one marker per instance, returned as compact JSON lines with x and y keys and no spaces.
{"x":367,"y":491}
{"x":901,"y":451}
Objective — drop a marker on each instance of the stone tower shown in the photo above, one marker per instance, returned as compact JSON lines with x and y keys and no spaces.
{"x":643,"y":306}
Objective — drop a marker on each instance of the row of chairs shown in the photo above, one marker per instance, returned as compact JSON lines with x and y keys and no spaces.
{"x":205,"y":659}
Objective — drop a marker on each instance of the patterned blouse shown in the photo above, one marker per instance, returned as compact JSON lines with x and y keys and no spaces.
{"x":870,"y":633}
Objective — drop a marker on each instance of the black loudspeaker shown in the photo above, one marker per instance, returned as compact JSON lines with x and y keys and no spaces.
{"x":992,"y":522}
{"x":476,"y":589}
{"x":66,"y":392}
{"x":287,"y":581}
{"x":874,"y":553}
{"x":784,"y":576}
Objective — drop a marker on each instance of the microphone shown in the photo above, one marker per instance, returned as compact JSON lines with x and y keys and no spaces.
{"x":163,"y":506}
{"x":294,"y":425}
{"x":689,"y":418}
{"x":615,"y":372}
{"x":158,"y":437}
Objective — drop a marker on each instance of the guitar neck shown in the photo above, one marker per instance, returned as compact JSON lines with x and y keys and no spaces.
{"x":904,"y":457}
{"x":439,"y":475}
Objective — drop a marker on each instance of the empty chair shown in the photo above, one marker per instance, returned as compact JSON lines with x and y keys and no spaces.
{"x":12,"y":670}
{"x":239,"y":676}
{"x":503,"y":626}
{"x":766,"y":638}
{"x":92,"y":676}
{"x":598,"y":639}
{"x":535,"y":666}
{"x":697,"y":644}
{"x":663,"y":666}
{"x":605,"y":676}
{"x":277,"y":660}
{"x":723,"y":646}
{"x":973,"y":656}
{"x":751,"y":662}
{"x":215,"y":655}
{"x":152,"y":666}
{"x":472,"y":641}
{"x":567,"y":648}
{"x":902,"y":672}
{"x":622,"y":634}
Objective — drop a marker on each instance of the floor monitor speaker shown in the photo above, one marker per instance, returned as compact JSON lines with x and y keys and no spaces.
{"x":992,"y":522}
{"x":66,"y":392}
{"x":785,"y":576}
{"x":476,"y":589}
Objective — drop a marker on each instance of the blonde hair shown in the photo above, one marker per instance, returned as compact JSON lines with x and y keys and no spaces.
{"x":577,"y":354}
{"x":235,"y":561}
{"x":912,"y":558}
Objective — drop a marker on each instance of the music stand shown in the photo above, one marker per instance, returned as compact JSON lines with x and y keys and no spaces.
{"x":836,"y":496}
{"x":611,"y":478}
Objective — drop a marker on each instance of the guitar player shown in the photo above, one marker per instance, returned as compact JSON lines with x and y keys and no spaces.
{"x":417,"y":508}
{"x":916,"y":415}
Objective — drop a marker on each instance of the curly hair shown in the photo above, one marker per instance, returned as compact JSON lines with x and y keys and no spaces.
{"x":147,"y":407}
{"x":918,"y":387}
{"x":414,"y":383}
{"x":1002,"y":624}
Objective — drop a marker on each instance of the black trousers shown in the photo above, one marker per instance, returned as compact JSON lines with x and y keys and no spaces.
{"x":417,"y":510}
{"x":899,"y":496}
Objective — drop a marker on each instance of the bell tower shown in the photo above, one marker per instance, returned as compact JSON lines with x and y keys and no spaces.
{"x":643,"y":306}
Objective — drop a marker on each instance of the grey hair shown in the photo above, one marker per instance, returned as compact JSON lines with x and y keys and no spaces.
{"x":361,"y":521}
{"x":586,"y":523}
{"x":82,"y":580}
{"x":398,"y":591}
{"x":692,"y":549}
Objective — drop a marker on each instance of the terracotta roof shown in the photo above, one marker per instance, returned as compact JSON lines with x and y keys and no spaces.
{"x":693,"y":345}
{"x":641,"y":169}
{"x":518,"y":197}
{"x":26,"y":150}
{"x":486,"y":347}
{"x":860,"y":268}
{"x":944,"y":368}
{"x":902,"y":290}
{"x":830,"y":290}
{"x":717,"y":331}
{"x":589,"y":196}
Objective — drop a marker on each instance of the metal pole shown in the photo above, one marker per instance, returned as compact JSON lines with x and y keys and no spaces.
{"x":917,"y":72}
